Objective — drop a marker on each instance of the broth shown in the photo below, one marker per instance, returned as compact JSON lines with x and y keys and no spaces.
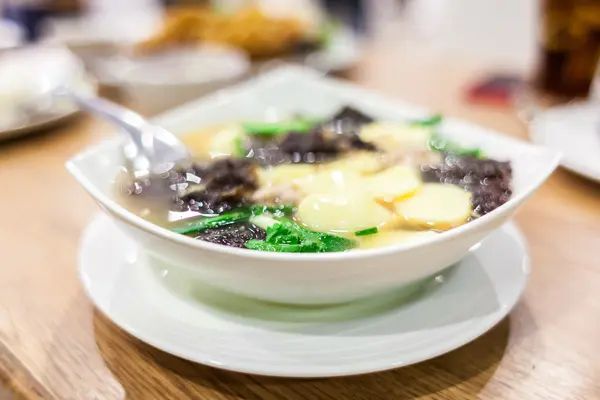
{"x":309,"y":185}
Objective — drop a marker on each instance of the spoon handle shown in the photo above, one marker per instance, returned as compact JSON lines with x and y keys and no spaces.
{"x":150,"y":148}
{"x":133,"y":123}
{"x":138,"y":152}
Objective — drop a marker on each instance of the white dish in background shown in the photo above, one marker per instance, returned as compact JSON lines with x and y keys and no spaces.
{"x":27,"y":75}
{"x":310,"y":278}
{"x":100,"y":33}
{"x":159,"y":82}
{"x":125,"y":25}
{"x":164,"y":309}
{"x":11,"y":34}
{"x":104,"y":46}
{"x":342,"y":53}
{"x":573,"y":130}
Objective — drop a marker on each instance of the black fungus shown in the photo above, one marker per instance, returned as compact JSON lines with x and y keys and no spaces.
{"x":236,"y":235}
{"x":228,"y":174}
{"x":353,"y":116}
{"x":323,"y":143}
{"x":319,"y":145}
{"x":223,"y":184}
{"x":210,"y":188}
{"x":489,"y":181}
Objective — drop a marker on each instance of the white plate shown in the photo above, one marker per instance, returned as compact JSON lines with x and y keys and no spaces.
{"x":574,"y":130}
{"x":28,"y":74}
{"x":37,"y":124}
{"x":167,"y":310}
{"x":47,"y":120}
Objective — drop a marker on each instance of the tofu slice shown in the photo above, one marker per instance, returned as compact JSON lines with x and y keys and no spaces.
{"x":394,"y":184}
{"x":283,"y":174}
{"x":391,"y":136}
{"x":436,"y":206}
{"x":358,"y":162}
{"x":342,"y":212}
{"x":330,"y":181}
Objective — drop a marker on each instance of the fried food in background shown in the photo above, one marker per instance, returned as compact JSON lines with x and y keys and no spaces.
{"x":248,"y":29}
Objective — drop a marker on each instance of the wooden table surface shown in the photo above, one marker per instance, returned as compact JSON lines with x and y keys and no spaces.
{"x":54,"y":345}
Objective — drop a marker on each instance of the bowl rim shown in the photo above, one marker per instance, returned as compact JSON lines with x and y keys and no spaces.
{"x":124,"y":215}
{"x":112,"y":67}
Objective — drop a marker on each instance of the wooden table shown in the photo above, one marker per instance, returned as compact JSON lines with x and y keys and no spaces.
{"x":53,"y":345}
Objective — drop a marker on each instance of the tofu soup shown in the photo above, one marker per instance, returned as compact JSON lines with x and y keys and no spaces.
{"x":340,"y":183}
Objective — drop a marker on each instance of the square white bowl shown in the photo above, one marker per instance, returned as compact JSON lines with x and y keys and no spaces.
{"x":309,"y":278}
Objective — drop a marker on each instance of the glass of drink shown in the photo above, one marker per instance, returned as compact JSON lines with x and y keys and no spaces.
{"x":570,"y":47}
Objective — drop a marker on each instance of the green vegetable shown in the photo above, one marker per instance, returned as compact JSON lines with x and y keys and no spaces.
{"x":261,"y":245}
{"x":285,"y":236}
{"x":434,"y":120}
{"x":365,"y":232}
{"x":232,"y":217}
{"x":443,"y":145}
{"x":327,"y":32}
{"x":279,"y":210}
{"x":215,"y":222}
{"x":299,"y":125}
{"x":239,"y":150}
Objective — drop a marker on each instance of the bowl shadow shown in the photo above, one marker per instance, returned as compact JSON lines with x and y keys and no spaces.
{"x":443,"y":295}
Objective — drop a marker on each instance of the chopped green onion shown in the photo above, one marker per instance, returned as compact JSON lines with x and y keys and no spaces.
{"x":300,"y":125}
{"x":442,"y":145}
{"x":434,"y":120}
{"x":368,"y":231}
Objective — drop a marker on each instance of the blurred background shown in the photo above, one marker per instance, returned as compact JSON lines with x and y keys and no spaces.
{"x":154,"y":54}
{"x":498,"y":63}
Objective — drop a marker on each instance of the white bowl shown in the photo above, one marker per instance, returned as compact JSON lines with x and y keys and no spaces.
{"x":309,"y":278}
{"x":158,"y":82}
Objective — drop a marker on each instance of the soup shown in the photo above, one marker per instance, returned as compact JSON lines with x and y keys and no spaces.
{"x":332,"y":184}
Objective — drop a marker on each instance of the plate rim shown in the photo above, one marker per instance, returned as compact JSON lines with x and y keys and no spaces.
{"x":50,"y":122}
{"x":450,"y":345}
{"x":538,"y":137}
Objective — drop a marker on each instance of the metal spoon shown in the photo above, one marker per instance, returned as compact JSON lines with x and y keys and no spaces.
{"x":150,"y":149}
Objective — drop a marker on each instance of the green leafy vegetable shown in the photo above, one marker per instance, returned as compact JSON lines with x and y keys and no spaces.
{"x":279,"y":210}
{"x":434,"y":120}
{"x":287,"y":237}
{"x":214,"y":222}
{"x":299,"y":125}
{"x":366,"y":232}
{"x":443,"y":145}
{"x":261,"y":245}
{"x":232,"y":217}
{"x":239,"y":150}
